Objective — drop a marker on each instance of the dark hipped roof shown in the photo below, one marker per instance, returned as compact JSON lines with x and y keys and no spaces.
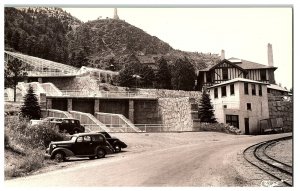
{"x":244,"y":64}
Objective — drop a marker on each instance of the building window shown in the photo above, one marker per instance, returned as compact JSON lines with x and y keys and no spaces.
{"x":263,"y":75}
{"x":223,"y":90}
{"x":249,"y":106}
{"x":260,"y":90}
{"x":208,"y":77}
{"x":268,"y":90}
{"x":216,"y":92}
{"x":246,"y":88}
{"x":233,"y":120}
{"x":253,"y":89}
{"x":232,"y":89}
{"x":225,"y":73}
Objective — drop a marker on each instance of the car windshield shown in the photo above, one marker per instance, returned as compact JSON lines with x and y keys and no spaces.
{"x":73,"y":138}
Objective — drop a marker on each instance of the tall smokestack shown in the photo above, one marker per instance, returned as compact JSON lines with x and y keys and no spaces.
{"x":270,"y":55}
{"x":222,"y":54}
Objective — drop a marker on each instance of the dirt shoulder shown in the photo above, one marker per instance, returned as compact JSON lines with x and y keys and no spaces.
{"x":229,"y":170}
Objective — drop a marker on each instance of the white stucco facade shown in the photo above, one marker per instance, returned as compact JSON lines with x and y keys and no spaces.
{"x":238,"y":106}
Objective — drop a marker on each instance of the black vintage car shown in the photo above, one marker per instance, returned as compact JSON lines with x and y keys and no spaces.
{"x":80,"y":145}
{"x":68,"y":125}
{"x":114,"y":141}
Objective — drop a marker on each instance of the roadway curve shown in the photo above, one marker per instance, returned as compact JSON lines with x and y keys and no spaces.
{"x":196,"y":164}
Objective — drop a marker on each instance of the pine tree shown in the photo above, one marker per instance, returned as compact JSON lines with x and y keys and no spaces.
{"x":206,"y":111}
{"x":163,"y":75}
{"x":31,"y":108}
{"x":13,"y":73}
{"x":183,"y":75}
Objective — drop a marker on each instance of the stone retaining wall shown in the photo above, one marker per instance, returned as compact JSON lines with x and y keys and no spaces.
{"x":279,"y":108}
{"x":176,"y":113}
{"x":84,"y":83}
{"x":163,"y":93}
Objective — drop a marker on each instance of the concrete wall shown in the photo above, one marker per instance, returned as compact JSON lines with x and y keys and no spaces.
{"x":279,"y":108}
{"x":114,"y":106}
{"x":259,"y":108}
{"x":176,"y":112}
{"x":146,"y":112}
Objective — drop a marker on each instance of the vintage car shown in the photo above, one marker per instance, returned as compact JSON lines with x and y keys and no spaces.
{"x":68,"y":125}
{"x":80,"y":145}
{"x":116,"y":143}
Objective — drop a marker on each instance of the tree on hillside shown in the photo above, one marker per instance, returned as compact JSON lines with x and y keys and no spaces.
{"x":31,"y":108}
{"x":183,"y":75}
{"x":136,"y":75}
{"x":206,"y":111}
{"x":78,"y":59}
{"x":163,"y":75}
{"x":13,"y":73}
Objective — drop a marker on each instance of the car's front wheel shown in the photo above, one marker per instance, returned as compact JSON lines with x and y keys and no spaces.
{"x":59,"y":157}
{"x":100,"y":153}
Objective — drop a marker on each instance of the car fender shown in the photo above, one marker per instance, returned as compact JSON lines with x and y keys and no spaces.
{"x":67,"y":152}
{"x":115,"y":142}
{"x":120,"y":143}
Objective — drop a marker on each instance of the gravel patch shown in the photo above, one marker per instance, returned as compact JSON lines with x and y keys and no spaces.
{"x":282,"y":151}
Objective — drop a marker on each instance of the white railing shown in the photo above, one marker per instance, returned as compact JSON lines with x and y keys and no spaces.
{"x":153,"y":127}
{"x":51,"y":89}
{"x":89,"y":121}
{"x":116,"y":121}
{"x":227,"y":105}
{"x":56,"y":113}
{"x":49,"y":73}
{"x":40,"y":63}
{"x":124,"y":94}
{"x":106,"y":94}
{"x":81,"y":93}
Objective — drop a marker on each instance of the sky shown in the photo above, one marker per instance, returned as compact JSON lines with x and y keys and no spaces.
{"x":242,"y":32}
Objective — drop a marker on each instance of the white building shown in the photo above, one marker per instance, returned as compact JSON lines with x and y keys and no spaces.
{"x":240,"y":102}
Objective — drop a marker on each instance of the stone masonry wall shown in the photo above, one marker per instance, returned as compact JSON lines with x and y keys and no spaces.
{"x":84,"y":83}
{"x":279,"y":108}
{"x":163,"y":93}
{"x":176,"y":113}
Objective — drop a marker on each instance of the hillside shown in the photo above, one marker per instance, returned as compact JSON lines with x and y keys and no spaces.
{"x":39,"y":32}
{"x":54,"y":34}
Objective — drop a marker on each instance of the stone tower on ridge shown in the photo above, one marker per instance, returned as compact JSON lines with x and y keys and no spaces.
{"x":116,"y":14}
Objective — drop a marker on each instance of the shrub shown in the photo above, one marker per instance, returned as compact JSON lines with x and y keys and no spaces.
{"x":220,"y":127}
{"x":42,"y":134}
{"x":25,"y":145}
{"x":26,"y":136}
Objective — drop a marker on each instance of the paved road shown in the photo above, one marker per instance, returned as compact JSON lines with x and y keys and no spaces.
{"x":186,"y":165}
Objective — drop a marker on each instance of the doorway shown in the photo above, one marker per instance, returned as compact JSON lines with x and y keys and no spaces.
{"x":247,"y":126}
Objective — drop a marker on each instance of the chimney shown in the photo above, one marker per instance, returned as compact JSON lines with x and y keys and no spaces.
{"x":222,"y":54}
{"x":116,"y":14}
{"x":270,"y":55}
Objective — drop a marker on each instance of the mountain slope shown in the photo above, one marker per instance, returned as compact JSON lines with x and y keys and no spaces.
{"x":38,"y":32}
{"x":53,"y":34}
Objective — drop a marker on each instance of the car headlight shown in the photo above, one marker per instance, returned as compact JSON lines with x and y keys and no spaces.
{"x":53,"y":146}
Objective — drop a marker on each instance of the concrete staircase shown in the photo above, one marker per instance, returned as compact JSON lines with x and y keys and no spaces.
{"x":90,"y":122}
{"x":117,"y":122}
